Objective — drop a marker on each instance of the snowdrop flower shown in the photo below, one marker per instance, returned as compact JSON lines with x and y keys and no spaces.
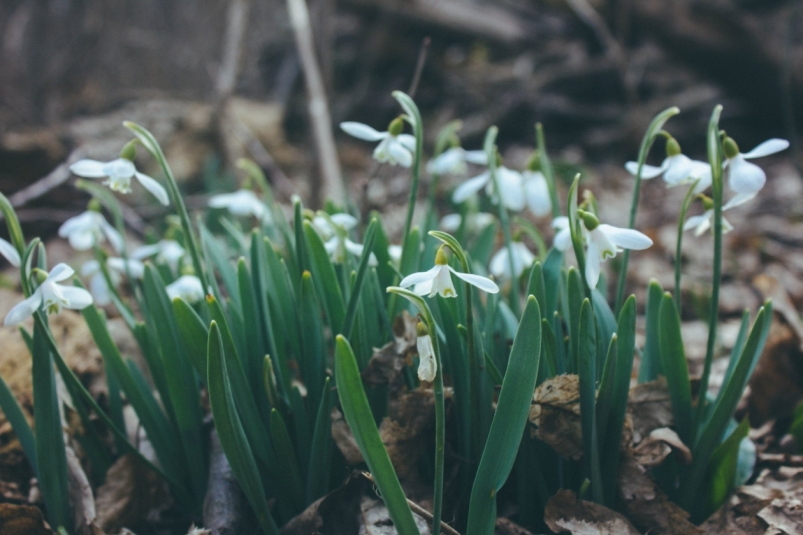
{"x":187,"y":287}
{"x":166,"y":251}
{"x":605,"y":241}
{"x":118,"y":174}
{"x":745,"y":177}
{"x":242,"y":203}
{"x":395,"y":253}
{"x":703,"y":222}
{"x":327,"y":226}
{"x":394,"y":147}
{"x":89,"y":229}
{"x":439,"y":281}
{"x":117,"y":268}
{"x":474,"y":223}
{"x":53,"y":296}
{"x":536,"y":191}
{"x":511,"y":188}
{"x":10,"y":253}
{"x":453,"y":161}
{"x":563,"y":234}
{"x":334,"y":230}
{"x":677,"y":169}
{"x":522,"y":259}
{"x":427,"y":365}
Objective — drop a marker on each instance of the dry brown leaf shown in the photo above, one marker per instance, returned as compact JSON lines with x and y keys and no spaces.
{"x":22,"y":520}
{"x":410,"y":417}
{"x":337,"y":512}
{"x":344,"y":439}
{"x":564,"y":512}
{"x":128,"y":494}
{"x":785,"y":515}
{"x":385,"y":366}
{"x":658,"y":445}
{"x":650,"y":408}
{"x":81,"y":498}
{"x":505,"y":526}
{"x":555,"y":411}
{"x":375,"y":519}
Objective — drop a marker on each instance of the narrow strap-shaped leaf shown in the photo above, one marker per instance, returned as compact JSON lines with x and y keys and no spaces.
{"x":508,"y":423}
{"x":312,"y":360}
{"x":552,"y":269}
{"x":736,"y":352}
{"x":15,"y":416}
{"x":361,"y":421}
{"x":575,"y":296}
{"x":255,"y":347}
{"x":193,"y":333}
{"x":289,"y":473}
{"x":676,"y":368}
{"x":325,"y":279}
{"x":354,"y":298}
{"x":232,"y":436}
{"x":587,"y":359}
{"x":606,"y":327}
{"x":320,"y":459}
{"x":650,"y":367}
{"x":537,"y":287}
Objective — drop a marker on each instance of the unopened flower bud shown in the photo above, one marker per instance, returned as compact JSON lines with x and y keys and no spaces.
{"x":672,"y":147}
{"x":534,"y":163}
{"x":39,"y":274}
{"x":708,"y":203}
{"x":129,"y":150}
{"x":730,"y":148}
{"x":589,"y":220}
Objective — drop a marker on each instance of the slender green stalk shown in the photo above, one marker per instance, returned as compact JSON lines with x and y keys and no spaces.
{"x":14,"y":229}
{"x":414,"y":117}
{"x":715,"y":159}
{"x":504,"y":219}
{"x":440,"y":413}
{"x":678,"y":252}
{"x":547,"y":169}
{"x":152,"y":146}
{"x":646,"y":143}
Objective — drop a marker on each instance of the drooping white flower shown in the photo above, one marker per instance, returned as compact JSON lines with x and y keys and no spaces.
{"x":166,"y":251}
{"x":242,"y":203}
{"x":604,"y":242}
{"x":677,"y":169}
{"x":453,"y":161}
{"x":334,"y":230}
{"x":10,"y":253}
{"x":427,"y":365}
{"x":475,"y":222}
{"x":327,"y":226}
{"x":187,"y":287}
{"x":394,"y":146}
{"x":53,"y":296}
{"x":522,"y":259}
{"x":438,"y":280}
{"x":745,"y":177}
{"x":511,"y":188}
{"x":118,"y":174}
{"x":117,"y":268}
{"x":89,"y":229}
{"x":701,"y":223}
{"x":563,"y":234}
{"x":395,"y":253}
{"x":536,"y":191}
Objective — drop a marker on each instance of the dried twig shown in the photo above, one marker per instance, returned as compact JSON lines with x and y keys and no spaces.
{"x":419,"y":65}
{"x":318,"y":107}
{"x":53,"y":179}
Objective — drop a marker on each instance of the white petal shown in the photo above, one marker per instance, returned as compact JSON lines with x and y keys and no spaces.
{"x":154,"y":187}
{"x":399,"y":153}
{"x":100,"y":290}
{"x":478,"y":157}
{"x":537,"y":191}
{"x":82,"y":240}
{"x":362,"y":131}
{"x":407,"y":141}
{"x":74,"y":224}
{"x":10,"y":253}
{"x":699,"y":222}
{"x":187,"y":287}
{"x":449,"y":161}
{"x":739,"y":200}
{"x":354,"y":248}
{"x":647,"y":171}
{"x":511,"y":188}
{"x":421,"y":276}
{"x":135,"y":267}
{"x":523,"y":255}
{"x":483,"y":283}
{"x":114,"y":237}
{"x":382,"y":151}
{"x":726,"y":226}
{"x":145,"y":251}
{"x":442,"y":283}
{"x":563,"y":239}
{"x":745,"y":177}
{"x":24,"y":310}
{"x":500,"y":265}
{"x":77,"y":298}
{"x":678,"y":169}
{"x":88,"y":168}
{"x":771,"y":146}
{"x":593,"y":260}
{"x":427,"y":367}
{"x":89,"y":268}
{"x":470,"y":187}
{"x":347,"y":221}
{"x":451,"y":222}
{"x":626,"y":238}
{"x":423,"y":288}
{"x":59,"y":273}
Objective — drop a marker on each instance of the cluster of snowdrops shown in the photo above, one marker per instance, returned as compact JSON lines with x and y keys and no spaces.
{"x":273,"y":317}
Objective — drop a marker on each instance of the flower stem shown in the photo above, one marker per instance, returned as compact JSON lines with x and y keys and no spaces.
{"x":683,"y":209}
{"x":414,"y":117}
{"x":715,"y":159}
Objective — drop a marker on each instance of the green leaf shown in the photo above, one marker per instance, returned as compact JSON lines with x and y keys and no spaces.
{"x":312,"y":361}
{"x":586,"y":353}
{"x":507,"y":426}
{"x":720,"y":476}
{"x":537,"y":287}
{"x":15,"y":416}
{"x":676,"y":369}
{"x":193,"y":334}
{"x":552,"y":269}
{"x":575,"y":295}
{"x":325,"y":279}
{"x":354,"y":298}
{"x":320,"y":460}
{"x":232,"y":436}
{"x":650,"y":367}
{"x":289,"y":473}
{"x":361,"y":421}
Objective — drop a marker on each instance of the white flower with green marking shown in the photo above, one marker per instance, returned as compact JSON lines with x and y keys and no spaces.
{"x":187,"y":287}
{"x":438,"y":280}
{"x":745,"y":177}
{"x":394,"y":146}
{"x":677,"y":168}
{"x":52,"y":296}
{"x":242,"y":203}
{"x":703,"y":222}
{"x":117,"y":267}
{"x":166,"y":251}
{"x":522,"y":259}
{"x":511,"y":188}
{"x":88,"y":230}
{"x":453,"y":161}
{"x":606,"y":241}
{"x":427,"y":365}
{"x":118,"y":174}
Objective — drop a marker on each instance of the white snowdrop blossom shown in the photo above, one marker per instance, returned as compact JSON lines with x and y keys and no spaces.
{"x":701,"y":223}
{"x":453,"y":161}
{"x":242,"y":203}
{"x":606,"y":241}
{"x":522,"y":259}
{"x":511,"y":188}
{"x":89,"y":229}
{"x":563,"y":234}
{"x":118,"y":174}
{"x":334,"y":230}
{"x":745,"y":177}
{"x":677,"y":168}
{"x":327,"y":226}
{"x":52,"y":296}
{"x":187,"y":287}
{"x":475,"y":222}
{"x":438,"y":280}
{"x":536,"y":191}
{"x":10,"y":253}
{"x":394,"y":146}
{"x":166,"y":251}
{"x":117,"y":268}
{"x":427,"y":365}
{"x":395,"y":253}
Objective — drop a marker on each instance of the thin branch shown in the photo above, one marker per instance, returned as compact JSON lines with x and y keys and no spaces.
{"x":419,"y":66}
{"x":318,"y":106}
{"x":53,"y":179}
